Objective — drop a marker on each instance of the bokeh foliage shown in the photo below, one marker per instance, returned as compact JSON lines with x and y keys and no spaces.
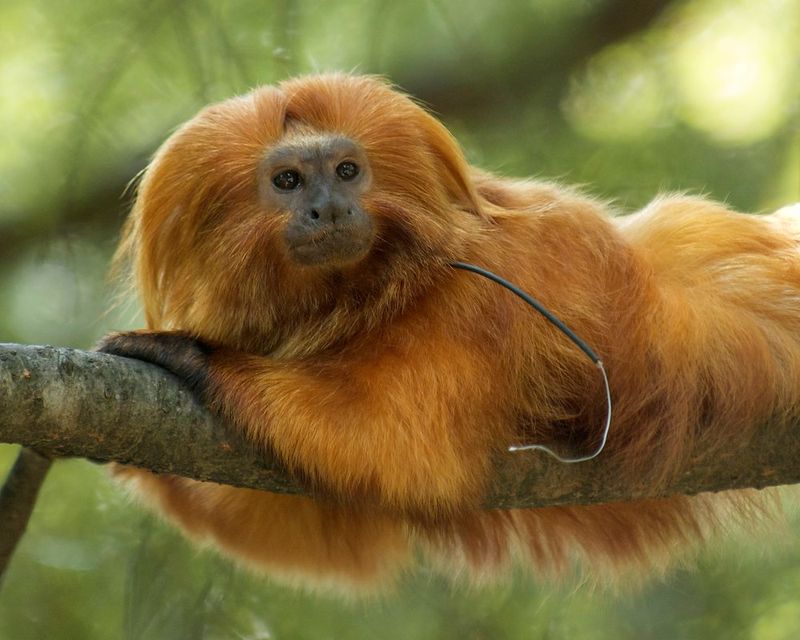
{"x":629,"y":99}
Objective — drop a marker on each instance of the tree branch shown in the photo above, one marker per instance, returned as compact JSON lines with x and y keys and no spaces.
{"x":65,"y":402}
{"x":17,"y":499}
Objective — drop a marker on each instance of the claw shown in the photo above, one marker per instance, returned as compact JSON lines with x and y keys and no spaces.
{"x":178,"y":352}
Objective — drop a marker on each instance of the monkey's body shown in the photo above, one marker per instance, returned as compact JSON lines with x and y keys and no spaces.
{"x":387,"y":380}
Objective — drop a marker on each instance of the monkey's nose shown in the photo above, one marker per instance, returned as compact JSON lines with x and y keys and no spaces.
{"x":328,"y":214}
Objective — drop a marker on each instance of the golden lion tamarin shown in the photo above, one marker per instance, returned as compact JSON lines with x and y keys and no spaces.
{"x":292,"y":248}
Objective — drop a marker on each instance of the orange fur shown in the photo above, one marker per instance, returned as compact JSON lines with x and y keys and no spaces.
{"x":388,"y":385}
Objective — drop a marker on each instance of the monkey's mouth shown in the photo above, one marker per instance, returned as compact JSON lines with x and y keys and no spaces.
{"x":331,"y":247}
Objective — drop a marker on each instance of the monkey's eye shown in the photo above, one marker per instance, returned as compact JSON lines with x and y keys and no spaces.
{"x":287,"y":180}
{"x":347,"y":170}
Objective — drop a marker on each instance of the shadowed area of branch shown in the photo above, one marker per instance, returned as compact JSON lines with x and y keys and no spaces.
{"x":66,"y":402}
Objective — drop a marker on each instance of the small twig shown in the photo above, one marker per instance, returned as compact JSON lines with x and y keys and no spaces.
{"x":17,"y":499}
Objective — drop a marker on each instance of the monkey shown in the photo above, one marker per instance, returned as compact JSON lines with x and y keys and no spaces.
{"x":293,"y":250}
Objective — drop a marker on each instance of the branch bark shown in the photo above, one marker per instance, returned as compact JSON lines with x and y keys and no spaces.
{"x":66,"y":402}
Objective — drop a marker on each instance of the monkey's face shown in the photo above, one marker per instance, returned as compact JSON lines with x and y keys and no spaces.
{"x":322,"y":205}
{"x":317,"y":180}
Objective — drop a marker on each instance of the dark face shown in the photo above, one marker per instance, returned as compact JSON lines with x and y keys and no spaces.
{"x":318,"y":179}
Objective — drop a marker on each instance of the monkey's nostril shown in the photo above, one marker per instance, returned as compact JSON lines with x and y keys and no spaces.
{"x":349,"y":212}
{"x":314,"y":214}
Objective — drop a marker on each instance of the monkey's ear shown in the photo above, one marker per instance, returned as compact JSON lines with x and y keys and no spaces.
{"x":453,"y":168}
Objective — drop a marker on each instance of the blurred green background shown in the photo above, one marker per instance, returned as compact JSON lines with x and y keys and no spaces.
{"x":627,"y":98}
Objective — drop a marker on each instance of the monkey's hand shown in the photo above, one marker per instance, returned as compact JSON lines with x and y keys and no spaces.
{"x":176,"y":351}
